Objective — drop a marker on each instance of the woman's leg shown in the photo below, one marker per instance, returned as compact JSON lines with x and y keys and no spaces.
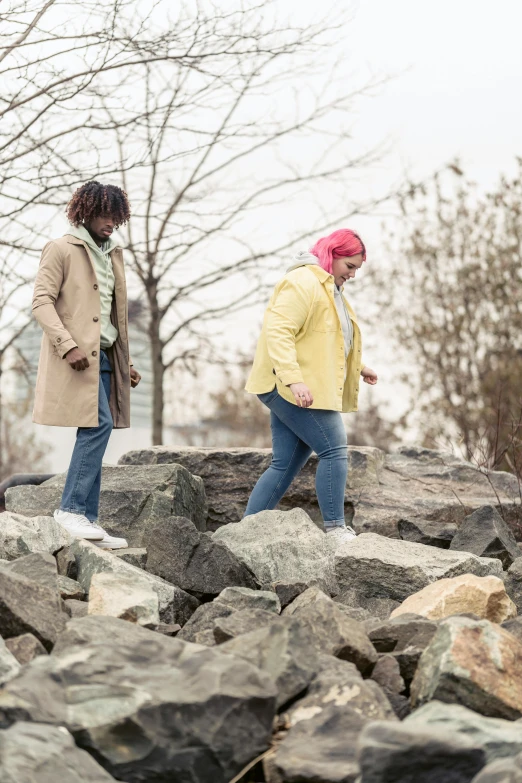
{"x":323,"y":432}
{"x":289,"y":455}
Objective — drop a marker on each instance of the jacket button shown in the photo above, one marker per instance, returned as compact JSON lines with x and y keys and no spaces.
{"x":95,"y":353}
{"x":95,"y":318}
{"x":58,"y":339}
{"x":95,"y":287}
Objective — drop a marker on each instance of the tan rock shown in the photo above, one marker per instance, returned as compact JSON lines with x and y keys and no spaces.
{"x":485,"y":596}
{"x":118,"y":595}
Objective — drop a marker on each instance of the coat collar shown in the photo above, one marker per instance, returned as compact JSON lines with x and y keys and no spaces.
{"x":76,"y":241}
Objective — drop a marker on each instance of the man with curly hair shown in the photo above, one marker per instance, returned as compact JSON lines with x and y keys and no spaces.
{"x":85,"y":372}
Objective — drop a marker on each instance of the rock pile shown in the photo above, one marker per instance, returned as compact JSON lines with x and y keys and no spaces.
{"x":261,"y":652}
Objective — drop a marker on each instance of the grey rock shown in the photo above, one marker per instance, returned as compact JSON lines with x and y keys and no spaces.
{"x":132,"y":498}
{"x":390,"y":568}
{"x":22,"y":535}
{"x":9,"y":665}
{"x":76,"y":608}
{"x":245,"y":598}
{"x":332,"y":631}
{"x":179,"y":553}
{"x":357,"y":613}
{"x":501,"y":771}
{"x":25,"y":647}
{"x":287,"y":591}
{"x":325,"y":723}
{"x":136,"y":556}
{"x":513,"y":583}
{"x":230,"y":475}
{"x":98,"y":629}
{"x":475,"y":663}
{"x":240,"y":622}
{"x":420,"y":531}
{"x":406,"y":753}
{"x":38,"y":567}
{"x":34,"y":752}
{"x":150,"y":709}
{"x":284,"y":650}
{"x":498,"y":738}
{"x":175,"y":605}
{"x":401,"y":632}
{"x":200,"y":628}
{"x":66,"y":563}
{"x":487,"y":535}
{"x":387,"y":674}
{"x":514,"y":627}
{"x":124,"y":596}
{"x":27,"y":606}
{"x":280,"y":546}
{"x":70,"y":589}
{"x":358,"y":599}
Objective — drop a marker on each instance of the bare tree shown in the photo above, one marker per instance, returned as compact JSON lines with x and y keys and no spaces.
{"x":193,"y":106}
{"x":458,"y":310}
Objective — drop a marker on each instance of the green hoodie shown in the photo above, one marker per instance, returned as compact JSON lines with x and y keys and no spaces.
{"x":100,"y":256}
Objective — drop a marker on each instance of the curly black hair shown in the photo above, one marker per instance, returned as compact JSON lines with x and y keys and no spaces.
{"x":94,"y":199}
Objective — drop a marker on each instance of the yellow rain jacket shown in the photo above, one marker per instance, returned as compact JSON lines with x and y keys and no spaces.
{"x":302,"y":341}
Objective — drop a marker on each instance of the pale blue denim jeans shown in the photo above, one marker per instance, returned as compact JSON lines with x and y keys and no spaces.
{"x":296,"y":433}
{"x":81,"y":493}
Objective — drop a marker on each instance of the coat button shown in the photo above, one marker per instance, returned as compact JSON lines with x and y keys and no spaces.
{"x":58,"y":339}
{"x":95,"y":287}
{"x":95,"y":318}
{"x":95,"y":353}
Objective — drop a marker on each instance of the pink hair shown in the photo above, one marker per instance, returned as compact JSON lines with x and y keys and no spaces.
{"x":340,"y":244}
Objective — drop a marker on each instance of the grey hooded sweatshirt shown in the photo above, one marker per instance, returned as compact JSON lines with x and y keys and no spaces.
{"x":303,"y":258}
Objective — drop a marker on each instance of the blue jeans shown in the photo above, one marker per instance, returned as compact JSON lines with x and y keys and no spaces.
{"x":296,"y":432}
{"x":81,"y":493}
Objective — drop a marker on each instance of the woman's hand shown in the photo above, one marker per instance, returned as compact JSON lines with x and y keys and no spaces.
{"x":369,"y":376}
{"x":303,"y":395}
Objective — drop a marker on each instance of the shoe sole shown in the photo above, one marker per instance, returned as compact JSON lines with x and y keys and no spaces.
{"x":84,"y":538}
{"x":101,"y":545}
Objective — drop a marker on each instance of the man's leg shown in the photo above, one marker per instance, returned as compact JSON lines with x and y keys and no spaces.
{"x":85,"y":467}
{"x":93,"y":498}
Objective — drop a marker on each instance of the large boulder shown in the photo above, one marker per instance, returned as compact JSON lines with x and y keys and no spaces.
{"x":36,"y":753}
{"x":281,"y":546}
{"x":284,"y":650}
{"x":150,"y":710}
{"x":175,"y":605}
{"x":20,"y":535}
{"x":513,"y":583}
{"x":390,"y":568}
{"x":241,"y":622}
{"x":498,"y":738}
{"x":200,"y":628}
{"x":487,"y":535}
{"x":323,"y":725}
{"x":132,"y":498}
{"x":231,"y":474}
{"x":332,"y":631}
{"x":124,"y":596}
{"x":474,"y":663}
{"x":407,"y":753}
{"x":404,"y":638}
{"x":420,"y":531}
{"x":245,"y":598}
{"x":27,"y":606}
{"x":484,"y":596}
{"x":179,"y":553}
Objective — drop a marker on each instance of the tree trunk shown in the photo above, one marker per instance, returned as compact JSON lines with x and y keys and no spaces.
{"x":158,"y":374}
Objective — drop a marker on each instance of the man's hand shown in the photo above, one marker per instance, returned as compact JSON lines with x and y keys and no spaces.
{"x":77,"y":359}
{"x":135,"y":377}
{"x":303,"y":395}
{"x":369,"y":376}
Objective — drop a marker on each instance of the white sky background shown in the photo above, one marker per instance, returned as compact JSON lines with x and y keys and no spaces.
{"x":455,"y":69}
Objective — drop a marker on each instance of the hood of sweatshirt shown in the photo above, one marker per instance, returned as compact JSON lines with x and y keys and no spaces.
{"x":303,"y":258}
{"x":81,"y":232}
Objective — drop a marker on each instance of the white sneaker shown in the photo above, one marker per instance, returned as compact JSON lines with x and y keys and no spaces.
{"x":106,"y":541}
{"x":340,"y":535}
{"x":78,"y":525}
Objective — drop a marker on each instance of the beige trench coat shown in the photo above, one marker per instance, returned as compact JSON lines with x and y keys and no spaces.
{"x":66,"y":304}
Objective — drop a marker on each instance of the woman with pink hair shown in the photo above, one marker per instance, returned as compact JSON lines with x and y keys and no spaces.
{"x":306,"y":371}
